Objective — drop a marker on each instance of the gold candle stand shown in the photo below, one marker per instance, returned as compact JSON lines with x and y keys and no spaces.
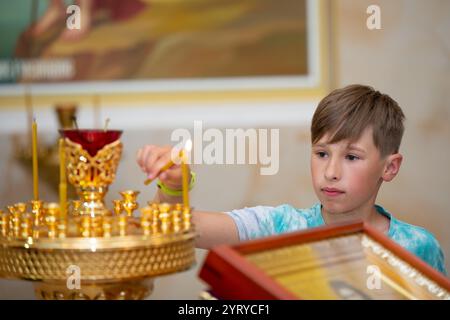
{"x":93,"y":252}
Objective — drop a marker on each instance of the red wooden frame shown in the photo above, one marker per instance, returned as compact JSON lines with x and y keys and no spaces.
{"x":231,"y":276}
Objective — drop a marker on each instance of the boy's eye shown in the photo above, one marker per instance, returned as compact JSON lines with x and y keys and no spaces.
{"x":352,"y":157}
{"x":321,"y":154}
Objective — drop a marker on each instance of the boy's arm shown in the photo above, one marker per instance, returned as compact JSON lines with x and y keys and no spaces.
{"x":213,"y":228}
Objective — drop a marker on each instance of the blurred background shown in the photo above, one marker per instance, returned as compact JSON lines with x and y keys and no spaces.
{"x":157,"y":65}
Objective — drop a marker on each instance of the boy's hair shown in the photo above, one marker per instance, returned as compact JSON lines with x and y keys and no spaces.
{"x":345,"y":113}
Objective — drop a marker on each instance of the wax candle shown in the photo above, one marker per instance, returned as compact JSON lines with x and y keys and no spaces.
{"x":185,"y":173}
{"x":62,"y":179}
{"x":35,"y":160}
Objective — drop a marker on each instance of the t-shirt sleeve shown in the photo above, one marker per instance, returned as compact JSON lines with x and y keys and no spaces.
{"x":432,"y":253}
{"x":263,"y":221}
{"x":423,"y":244}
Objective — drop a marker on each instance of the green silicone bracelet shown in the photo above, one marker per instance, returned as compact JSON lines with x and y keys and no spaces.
{"x":176,"y":193}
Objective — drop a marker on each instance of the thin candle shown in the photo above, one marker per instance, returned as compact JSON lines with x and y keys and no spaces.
{"x":166,"y":167}
{"x":62,"y":180}
{"x":35,"y":160}
{"x":185,"y":173}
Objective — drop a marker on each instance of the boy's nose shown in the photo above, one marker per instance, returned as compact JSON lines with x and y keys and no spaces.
{"x":333,"y":171}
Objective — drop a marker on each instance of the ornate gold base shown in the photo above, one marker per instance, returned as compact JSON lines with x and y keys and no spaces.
{"x":106,"y":268}
{"x":126,"y":290}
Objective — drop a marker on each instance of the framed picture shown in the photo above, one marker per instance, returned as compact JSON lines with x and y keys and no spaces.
{"x":163,"y":49}
{"x":351,"y":261}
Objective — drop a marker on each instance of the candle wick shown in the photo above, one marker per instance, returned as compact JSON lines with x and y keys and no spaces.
{"x":106,"y":125}
{"x":74,"y":120}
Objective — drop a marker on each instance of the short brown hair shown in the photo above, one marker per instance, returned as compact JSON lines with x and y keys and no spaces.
{"x":345,"y":113}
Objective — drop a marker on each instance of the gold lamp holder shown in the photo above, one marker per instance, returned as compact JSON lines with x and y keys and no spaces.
{"x":91,"y":175}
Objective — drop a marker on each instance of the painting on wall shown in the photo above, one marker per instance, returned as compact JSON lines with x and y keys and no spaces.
{"x":152,"y":44}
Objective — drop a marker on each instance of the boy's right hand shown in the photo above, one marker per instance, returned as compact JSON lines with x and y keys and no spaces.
{"x":214,"y":228}
{"x":151,"y":158}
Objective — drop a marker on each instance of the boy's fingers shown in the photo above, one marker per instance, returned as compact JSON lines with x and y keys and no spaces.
{"x":151,"y":162}
{"x":173,"y":173}
{"x":163,"y":159}
{"x":172,"y":176}
{"x":152,"y":158}
{"x":163,"y":176}
{"x":139,"y":157}
{"x":142,"y":155}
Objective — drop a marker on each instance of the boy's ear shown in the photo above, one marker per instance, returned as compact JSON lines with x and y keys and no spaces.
{"x":393,"y":163}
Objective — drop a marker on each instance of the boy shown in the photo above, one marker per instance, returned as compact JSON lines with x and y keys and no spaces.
{"x":356,"y":134}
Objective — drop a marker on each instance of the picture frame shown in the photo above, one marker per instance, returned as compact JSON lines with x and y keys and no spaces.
{"x":347,"y":261}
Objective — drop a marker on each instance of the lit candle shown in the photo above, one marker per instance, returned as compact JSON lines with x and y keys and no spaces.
{"x":35,"y":160}
{"x":185,"y":174}
{"x":62,"y":180}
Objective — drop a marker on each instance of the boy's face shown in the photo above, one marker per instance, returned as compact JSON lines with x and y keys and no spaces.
{"x":346,"y":176}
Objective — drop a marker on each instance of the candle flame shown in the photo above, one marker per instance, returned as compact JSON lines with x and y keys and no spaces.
{"x":188,"y":145}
